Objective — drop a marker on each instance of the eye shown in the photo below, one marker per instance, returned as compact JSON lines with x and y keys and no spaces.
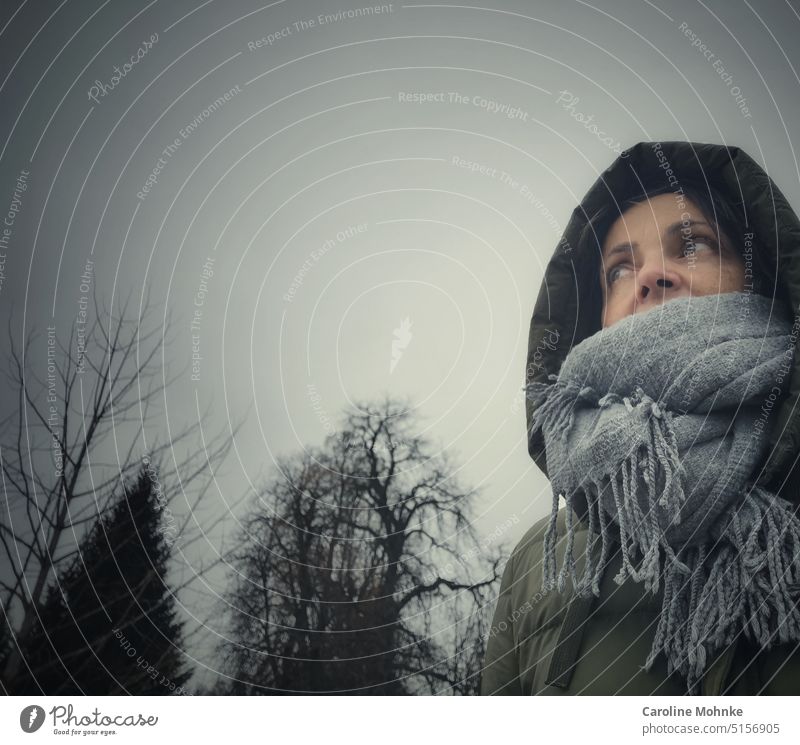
{"x":691,"y":247}
{"x":616,"y":272}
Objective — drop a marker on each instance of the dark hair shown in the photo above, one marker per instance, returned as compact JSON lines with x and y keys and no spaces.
{"x":727,"y":219}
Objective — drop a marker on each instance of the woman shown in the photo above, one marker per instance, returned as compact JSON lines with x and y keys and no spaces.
{"x":662,"y":410}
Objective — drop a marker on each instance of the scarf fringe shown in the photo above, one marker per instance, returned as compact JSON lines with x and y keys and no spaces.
{"x":750,"y":586}
{"x":739,"y":585}
{"x":554,"y":404}
{"x":656,"y":453}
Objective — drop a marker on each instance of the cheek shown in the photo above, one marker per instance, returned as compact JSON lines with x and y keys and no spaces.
{"x":727,"y":276}
{"x":733,"y":276}
{"x":615,"y":308}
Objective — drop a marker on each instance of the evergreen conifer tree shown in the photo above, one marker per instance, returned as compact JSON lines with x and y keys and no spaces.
{"x":109,"y":624}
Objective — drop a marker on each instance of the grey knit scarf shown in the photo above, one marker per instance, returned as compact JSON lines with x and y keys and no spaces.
{"x":659,"y":422}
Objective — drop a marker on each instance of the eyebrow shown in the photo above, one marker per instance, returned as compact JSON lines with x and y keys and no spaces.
{"x":669,"y":232}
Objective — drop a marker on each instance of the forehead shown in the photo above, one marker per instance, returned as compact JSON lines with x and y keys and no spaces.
{"x":654,"y":214}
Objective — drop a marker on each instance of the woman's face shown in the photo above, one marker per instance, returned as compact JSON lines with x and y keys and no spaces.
{"x":661,"y":249}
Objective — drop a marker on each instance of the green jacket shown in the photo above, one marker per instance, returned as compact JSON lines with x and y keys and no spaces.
{"x":555,"y":643}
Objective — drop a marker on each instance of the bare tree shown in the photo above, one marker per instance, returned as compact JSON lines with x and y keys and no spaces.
{"x":75,"y":437}
{"x":360,"y":570}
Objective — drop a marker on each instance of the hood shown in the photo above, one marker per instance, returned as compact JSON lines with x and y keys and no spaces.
{"x":565,"y":312}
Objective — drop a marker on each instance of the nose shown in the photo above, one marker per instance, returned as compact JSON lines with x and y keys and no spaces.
{"x":656,"y":282}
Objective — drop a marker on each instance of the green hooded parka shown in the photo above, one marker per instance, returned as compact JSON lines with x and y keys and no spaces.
{"x":556,"y":643}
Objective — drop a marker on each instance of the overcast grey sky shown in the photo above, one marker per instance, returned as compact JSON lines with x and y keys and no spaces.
{"x":349,"y":201}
